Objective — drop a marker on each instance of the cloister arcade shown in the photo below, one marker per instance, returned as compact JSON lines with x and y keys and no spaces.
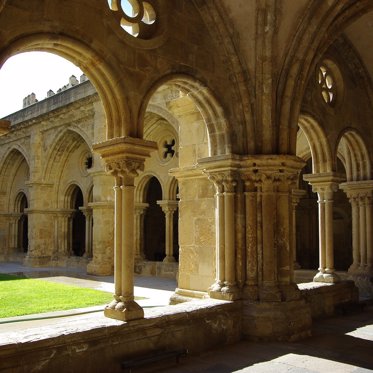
{"x":222,"y":143}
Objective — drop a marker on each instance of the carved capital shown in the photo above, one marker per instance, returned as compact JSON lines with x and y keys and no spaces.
{"x":124,"y":167}
{"x":225,"y":181}
{"x":168,"y":207}
{"x":124,"y":156}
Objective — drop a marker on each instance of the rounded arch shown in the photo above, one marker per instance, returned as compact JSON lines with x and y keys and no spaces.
{"x":352,"y":151}
{"x":171,"y":189}
{"x":219,"y":141}
{"x":320,"y":26}
{"x":70,"y":193}
{"x":318,"y":144}
{"x":105,"y":78}
{"x":143,"y":184}
{"x":20,"y":202}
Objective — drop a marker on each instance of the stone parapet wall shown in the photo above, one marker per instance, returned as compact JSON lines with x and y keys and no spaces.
{"x":323,"y":298}
{"x":99,"y":344}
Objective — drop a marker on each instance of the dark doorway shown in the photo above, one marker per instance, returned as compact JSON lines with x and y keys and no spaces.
{"x":23,"y":224}
{"x":154,"y":223}
{"x":78,"y":224}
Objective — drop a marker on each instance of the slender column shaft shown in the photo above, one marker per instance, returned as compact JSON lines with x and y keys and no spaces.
{"x":369,"y":233}
{"x":322,"y":252}
{"x":220,"y":238}
{"x":355,"y":234}
{"x":138,"y":233}
{"x":230,"y":257}
{"x":329,"y":244}
{"x":251,"y":239}
{"x":128,"y":223}
{"x":169,"y":236}
{"x":118,"y":238}
{"x":363,"y":245}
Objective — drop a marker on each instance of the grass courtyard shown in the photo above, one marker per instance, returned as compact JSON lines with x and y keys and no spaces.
{"x":24,"y":296}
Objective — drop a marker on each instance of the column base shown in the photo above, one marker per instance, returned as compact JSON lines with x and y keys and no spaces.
{"x":124,"y":310}
{"x":330,"y":278}
{"x":224,"y":292}
{"x":186,"y":295}
{"x":169,"y":259}
{"x":281,"y":321}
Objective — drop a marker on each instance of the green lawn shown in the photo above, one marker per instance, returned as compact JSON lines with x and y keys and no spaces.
{"x":21,"y":296}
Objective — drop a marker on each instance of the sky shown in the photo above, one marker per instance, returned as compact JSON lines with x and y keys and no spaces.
{"x":32,"y":72}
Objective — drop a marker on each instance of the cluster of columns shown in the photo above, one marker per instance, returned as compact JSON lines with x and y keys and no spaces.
{"x":360,"y":194}
{"x":253,"y":205}
{"x":169,"y":207}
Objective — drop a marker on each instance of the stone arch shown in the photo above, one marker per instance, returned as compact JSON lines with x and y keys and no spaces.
{"x":20,"y":205}
{"x":354,"y":155}
{"x":65,"y":143}
{"x":74,"y":200}
{"x":171,"y":189}
{"x":69,"y":194}
{"x":104,"y":77}
{"x":154,"y":221}
{"x":219,"y":141}
{"x":165,"y":114}
{"x":142,"y":185}
{"x":319,"y":27}
{"x":10,"y":165}
{"x":318,"y":143}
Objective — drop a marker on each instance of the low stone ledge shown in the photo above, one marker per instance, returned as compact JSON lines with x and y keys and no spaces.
{"x":323,"y":298}
{"x":93,"y":343}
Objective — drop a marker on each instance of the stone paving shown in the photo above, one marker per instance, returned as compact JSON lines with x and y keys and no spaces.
{"x":340,"y":344}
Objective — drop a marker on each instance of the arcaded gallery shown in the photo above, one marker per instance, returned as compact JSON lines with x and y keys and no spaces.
{"x":225,"y":145}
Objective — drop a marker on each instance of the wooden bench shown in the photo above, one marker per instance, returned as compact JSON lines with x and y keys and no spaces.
{"x":152,"y":357}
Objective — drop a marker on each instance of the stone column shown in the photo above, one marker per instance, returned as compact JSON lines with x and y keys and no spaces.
{"x":87,"y":212}
{"x":272,"y":301}
{"x":360,"y":196}
{"x":369,"y":234}
{"x":296,"y":195}
{"x":140,"y":209}
{"x":225,"y":286}
{"x":124,"y":157}
{"x":252,"y":241}
{"x":169,"y":208}
{"x":325,"y":185}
